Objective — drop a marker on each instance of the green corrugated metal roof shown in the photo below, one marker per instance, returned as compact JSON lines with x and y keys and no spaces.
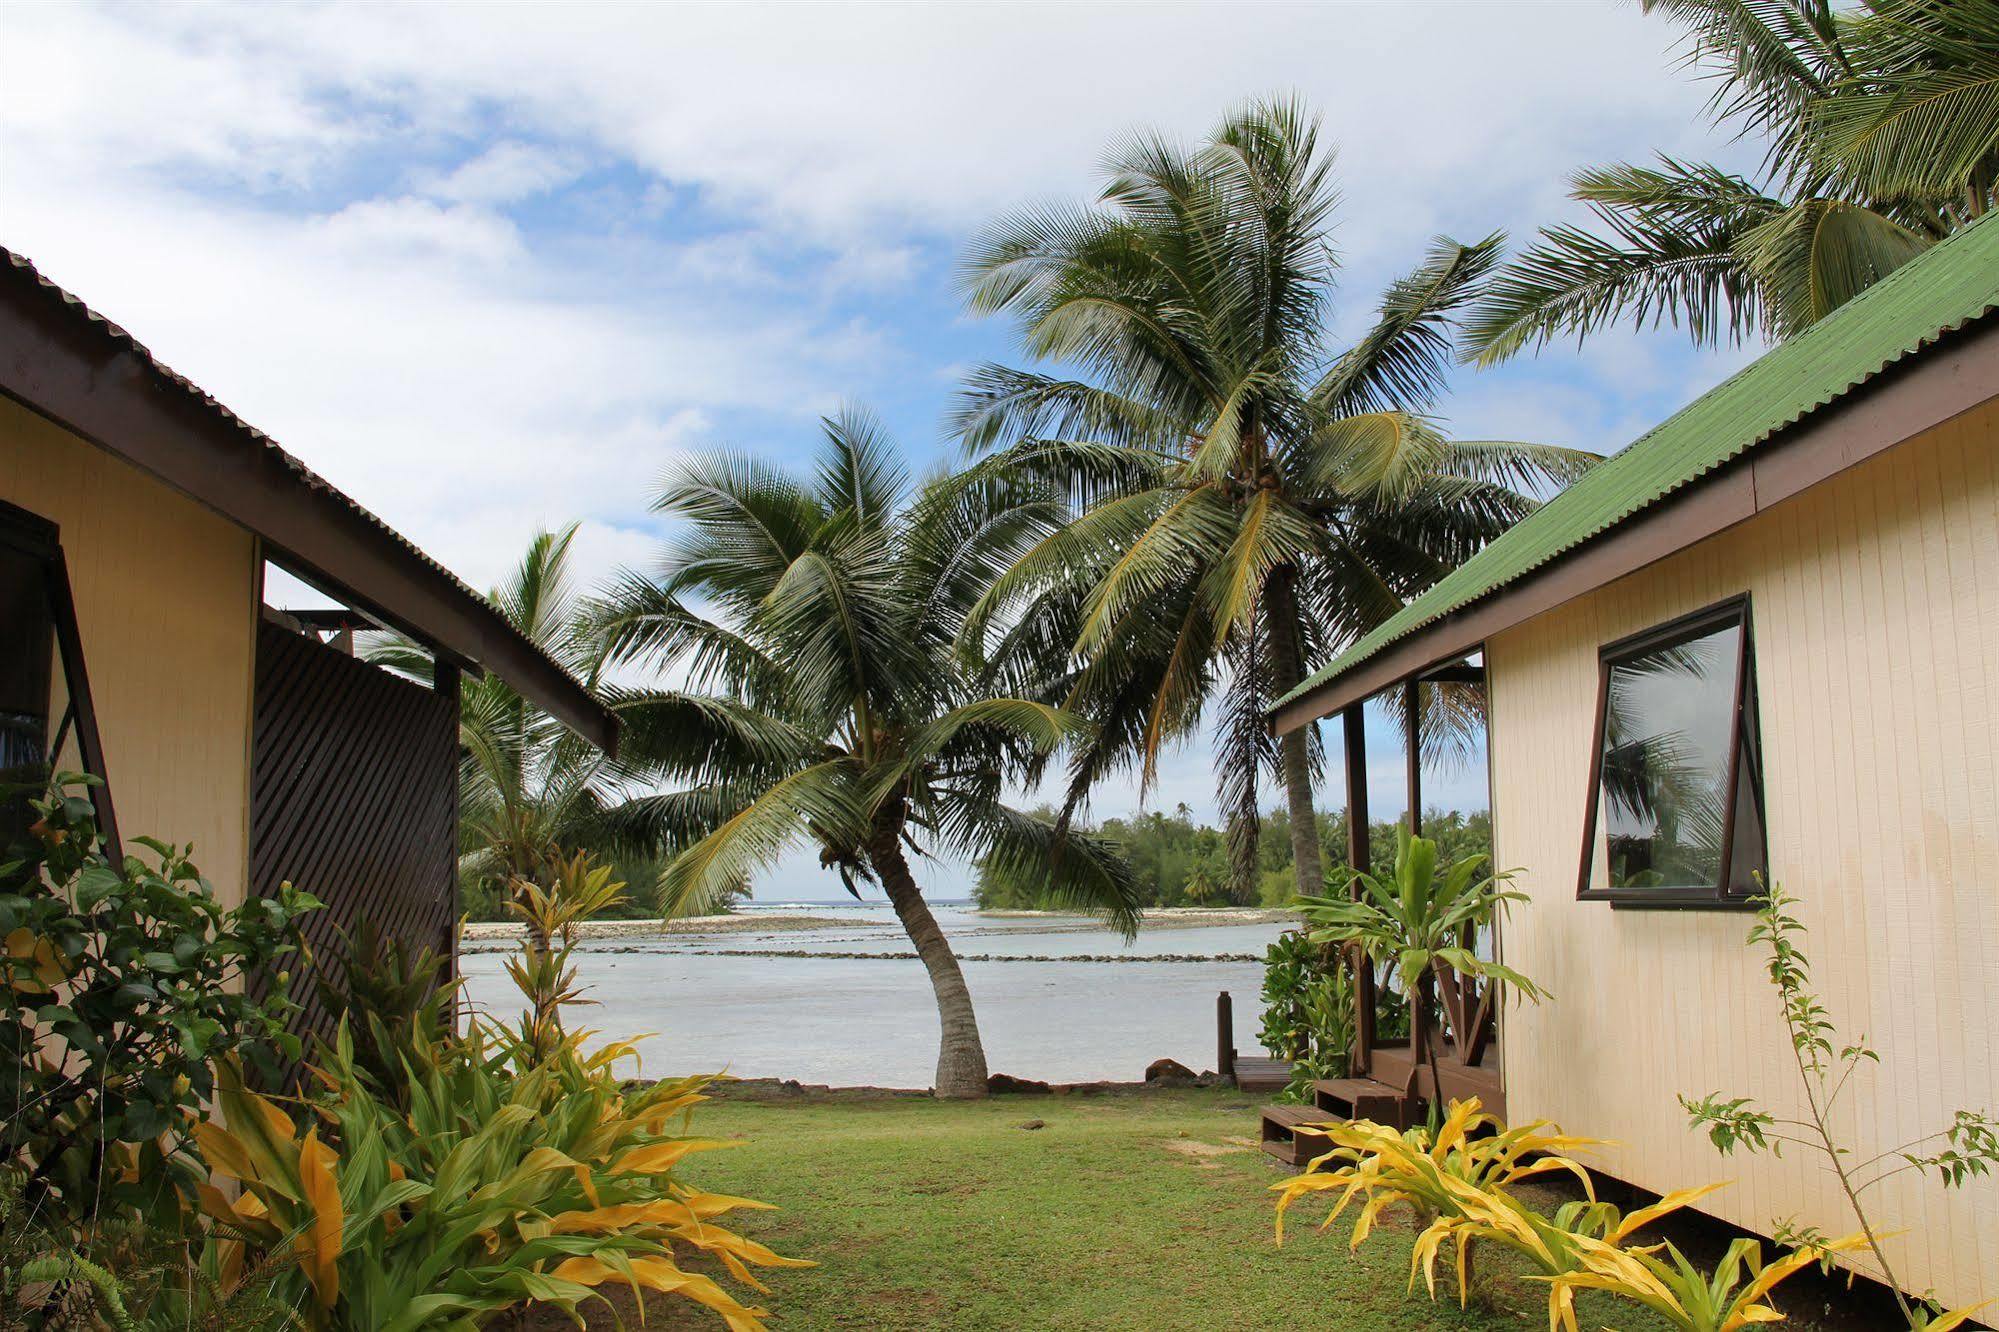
{"x":1935,"y":293}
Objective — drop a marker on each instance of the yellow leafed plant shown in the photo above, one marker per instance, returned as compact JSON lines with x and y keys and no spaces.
{"x":502,"y":1167}
{"x":1458,"y":1182}
{"x":502,"y":1186}
{"x":1660,"y":1278}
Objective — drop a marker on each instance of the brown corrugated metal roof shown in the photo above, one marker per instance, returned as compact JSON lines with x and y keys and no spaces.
{"x":493,"y":643}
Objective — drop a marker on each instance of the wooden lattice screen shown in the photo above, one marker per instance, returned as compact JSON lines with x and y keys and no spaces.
{"x":353,"y":798}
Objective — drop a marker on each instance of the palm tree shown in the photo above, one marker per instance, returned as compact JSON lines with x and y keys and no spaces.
{"x":1244,"y":501}
{"x":531,"y":791}
{"x":1883,"y":135}
{"x":814,"y":624}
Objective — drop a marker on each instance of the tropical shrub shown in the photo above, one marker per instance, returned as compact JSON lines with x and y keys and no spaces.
{"x":120,"y":990}
{"x":1458,"y":1181}
{"x":508,"y":1182}
{"x":1661,"y":1278}
{"x":1437,"y":1173}
{"x":1969,"y":1144}
{"x":578,"y":888}
{"x":473,"y":1174}
{"x":387,"y":995}
{"x":1288,"y":969}
{"x":1417,"y":920}
{"x":1308,"y":1014}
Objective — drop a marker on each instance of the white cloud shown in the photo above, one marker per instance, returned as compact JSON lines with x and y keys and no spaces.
{"x":505,"y":173}
{"x":491,"y":269}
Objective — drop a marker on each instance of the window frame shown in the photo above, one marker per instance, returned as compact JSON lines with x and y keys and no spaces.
{"x":29,"y":534}
{"x":1734,"y":612}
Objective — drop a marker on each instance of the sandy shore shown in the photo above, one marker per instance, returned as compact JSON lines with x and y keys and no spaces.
{"x":1156,"y":918}
{"x":1186,"y":918}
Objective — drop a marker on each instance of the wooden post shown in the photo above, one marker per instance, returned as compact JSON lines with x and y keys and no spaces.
{"x":445,"y":679}
{"x":1412,"y":713}
{"x":1225,"y":1037}
{"x":1354,"y":722}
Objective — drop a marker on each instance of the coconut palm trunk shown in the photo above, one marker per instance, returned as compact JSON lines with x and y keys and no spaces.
{"x":961,"y":1056}
{"x":1294,"y":753}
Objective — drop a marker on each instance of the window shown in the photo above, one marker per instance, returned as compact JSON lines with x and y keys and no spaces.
{"x":1676,"y":809}
{"x":46,"y":720}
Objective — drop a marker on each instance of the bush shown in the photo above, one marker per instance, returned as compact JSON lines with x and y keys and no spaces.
{"x":120,"y":990}
{"x":1308,"y":1014}
{"x":508,"y":1182}
{"x":443,"y":1179}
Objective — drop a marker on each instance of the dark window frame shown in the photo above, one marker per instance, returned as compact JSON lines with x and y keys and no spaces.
{"x":1733,"y":612}
{"x":39,"y":539}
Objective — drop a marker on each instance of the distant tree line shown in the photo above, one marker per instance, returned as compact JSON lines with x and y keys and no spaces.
{"x":1178,"y":862}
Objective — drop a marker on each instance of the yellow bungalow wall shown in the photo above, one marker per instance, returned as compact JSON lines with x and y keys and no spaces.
{"x":1875,"y":612}
{"x":166,"y":602}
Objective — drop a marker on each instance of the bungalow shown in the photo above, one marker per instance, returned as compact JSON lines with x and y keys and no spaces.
{"x":1762,"y":641}
{"x":137,"y":518}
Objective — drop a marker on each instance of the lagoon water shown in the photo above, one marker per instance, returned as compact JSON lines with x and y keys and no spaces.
{"x":737,"y":1002}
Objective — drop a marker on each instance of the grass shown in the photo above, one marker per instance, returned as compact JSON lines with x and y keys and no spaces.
{"x":1143,"y":1210}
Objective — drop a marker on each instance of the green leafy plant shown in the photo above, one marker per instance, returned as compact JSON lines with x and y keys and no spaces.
{"x":441,"y":1180}
{"x":121,"y":987}
{"x":1308,"y":1016}
{"x":1421,"y":918}
{"x":1826,"y":1064}
{"x":1289,"y":967}
{"x":577,"y":889}
{"x":1661,"y":1278}
{"x":1446,"y":1176}
{"x":388,"y":995}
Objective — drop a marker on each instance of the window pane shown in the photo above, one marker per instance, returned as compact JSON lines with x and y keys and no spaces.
{"x":1668,"y":719}
{"x":27,"y":657}
{"x":27,"y":651}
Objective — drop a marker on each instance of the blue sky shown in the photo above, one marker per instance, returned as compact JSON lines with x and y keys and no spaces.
{"x":494,"y":269}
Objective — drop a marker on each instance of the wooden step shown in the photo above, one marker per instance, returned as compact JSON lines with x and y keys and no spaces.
{"x":1363,"y":1098}
{"x":1289,"y":1135}
{"x":1262,"y":1075}
{"x":1399,"y":1067}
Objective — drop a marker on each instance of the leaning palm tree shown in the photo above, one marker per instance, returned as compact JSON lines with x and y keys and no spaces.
{"x":813,"y":625}
{"x":1883,"y":138}
{"x":1244,"y":501}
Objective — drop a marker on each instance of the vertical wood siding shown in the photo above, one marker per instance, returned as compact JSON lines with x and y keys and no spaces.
{"x":354,"y":791}
{"x":166,"y":604}
{"x":1875,"y":609}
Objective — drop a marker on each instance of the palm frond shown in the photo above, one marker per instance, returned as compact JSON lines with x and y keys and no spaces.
{"x":860,"y":468}
{"x":1817,"y":255}
{"x":1080,"y":871}
{"x":1668,"y":252}
{"x":1402,"y":362}
{"x":1920,"y":116}
{"x":821,"y":796}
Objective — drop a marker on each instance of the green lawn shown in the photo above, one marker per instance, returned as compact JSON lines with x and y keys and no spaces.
{"x":1133,"y":1211}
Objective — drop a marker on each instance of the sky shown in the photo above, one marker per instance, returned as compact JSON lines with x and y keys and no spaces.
{"x":492,"y":269}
